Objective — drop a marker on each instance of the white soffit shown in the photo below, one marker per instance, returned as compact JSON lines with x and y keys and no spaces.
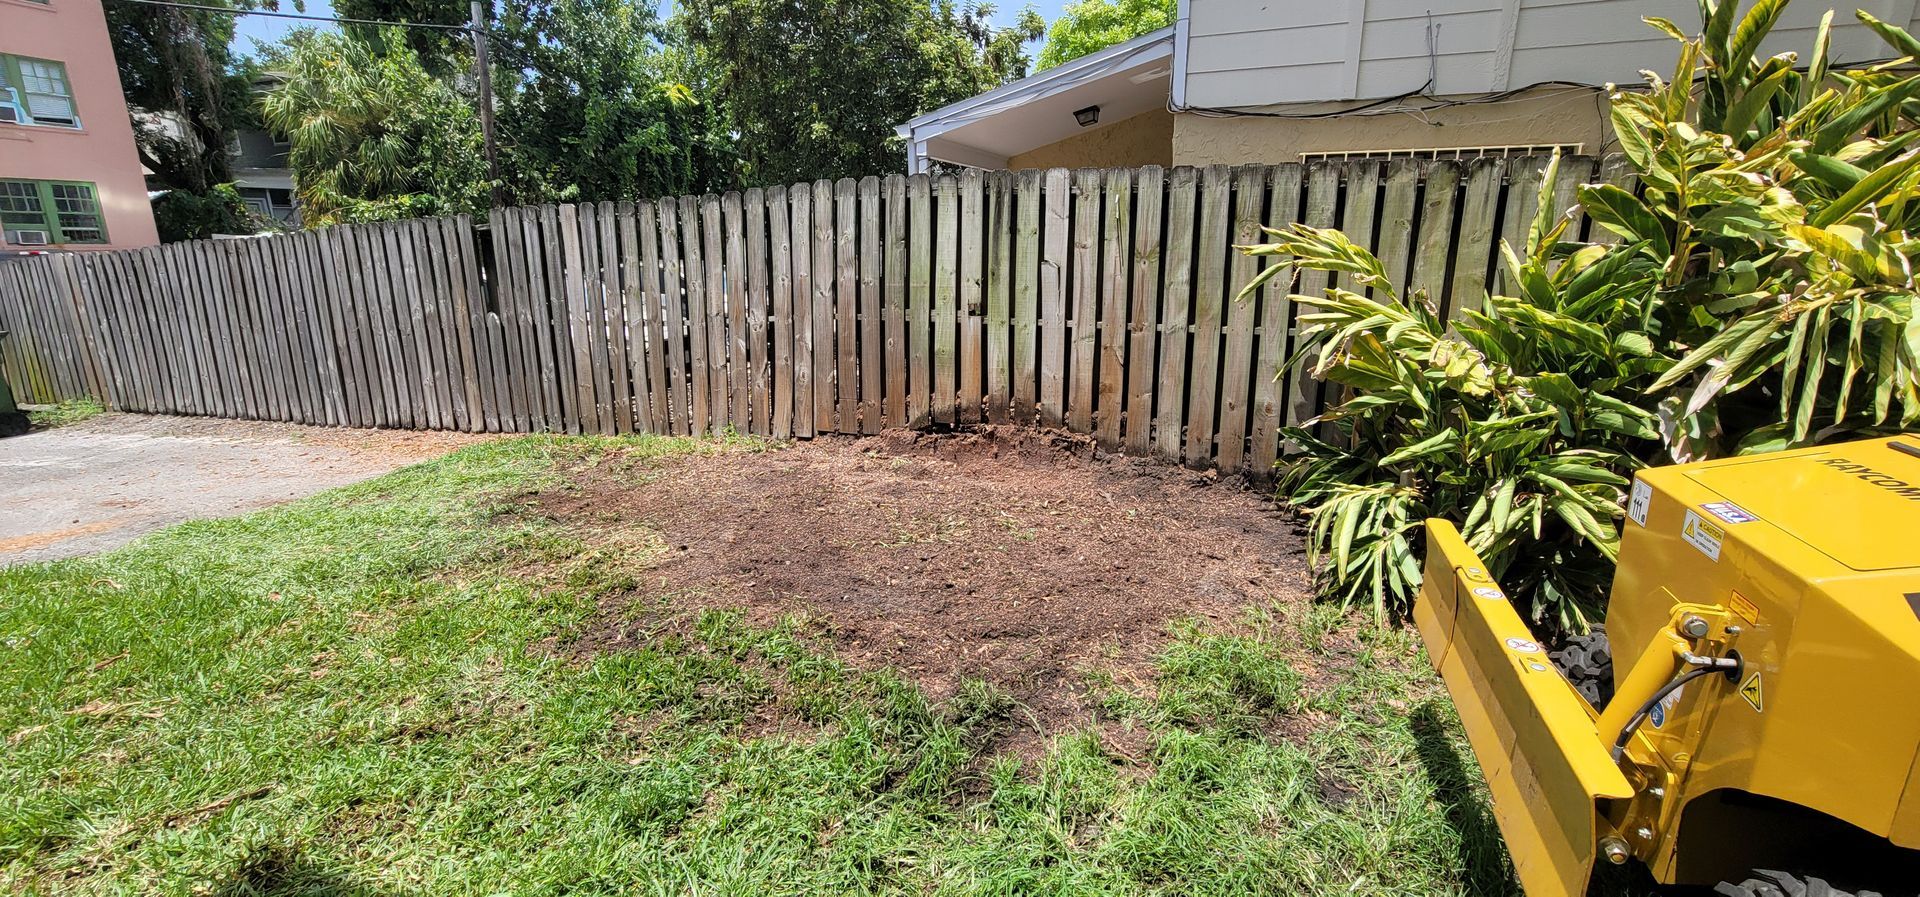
{"x":984,"y":130}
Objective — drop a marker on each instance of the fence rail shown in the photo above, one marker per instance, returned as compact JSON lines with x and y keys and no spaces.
{"x":1098,"y":300}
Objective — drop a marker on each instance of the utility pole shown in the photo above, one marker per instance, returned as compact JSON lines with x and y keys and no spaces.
{"x":483,"y":75}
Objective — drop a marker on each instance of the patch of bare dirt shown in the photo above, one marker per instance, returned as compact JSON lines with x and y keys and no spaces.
{"x":1024,"y":558}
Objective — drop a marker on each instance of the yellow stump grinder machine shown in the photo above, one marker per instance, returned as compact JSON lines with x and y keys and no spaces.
{"x":1749,"y":717}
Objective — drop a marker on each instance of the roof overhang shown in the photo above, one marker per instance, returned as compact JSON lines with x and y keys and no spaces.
{"x":985,"y":130}
{"x":263,"y":178}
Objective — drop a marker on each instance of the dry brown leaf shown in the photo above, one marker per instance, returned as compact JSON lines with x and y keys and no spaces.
{"x":99,"y":708}
{"x":215,"y":806}
{"x":109,"y":662}
{"x":25,"y":733}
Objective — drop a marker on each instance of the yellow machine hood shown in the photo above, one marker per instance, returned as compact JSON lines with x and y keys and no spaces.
{"x":1837,"y":499}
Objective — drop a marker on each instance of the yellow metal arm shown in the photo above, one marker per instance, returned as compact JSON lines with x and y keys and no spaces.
{"x":1545,"y":762}
{"x":1656,"y":666}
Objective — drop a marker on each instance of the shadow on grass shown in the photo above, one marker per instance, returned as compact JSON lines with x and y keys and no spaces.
{"x":284,"y":872}
{"x":1481,"y":857}
{"x":1481,"y":854}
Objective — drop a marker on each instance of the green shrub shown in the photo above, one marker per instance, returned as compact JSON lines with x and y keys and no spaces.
{"x":181,"y":215}
{"x":1761,"y":297}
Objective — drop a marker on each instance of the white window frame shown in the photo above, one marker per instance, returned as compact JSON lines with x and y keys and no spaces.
{"x":51,"y":75}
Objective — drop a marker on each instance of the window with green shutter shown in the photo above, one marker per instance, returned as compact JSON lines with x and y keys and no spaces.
{"x":50,"y":213}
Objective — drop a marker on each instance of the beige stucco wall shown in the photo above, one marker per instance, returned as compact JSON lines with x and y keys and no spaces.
{"x":1145,"y":139}
{"x":74,"y":32}
{"x":1541,"y":118}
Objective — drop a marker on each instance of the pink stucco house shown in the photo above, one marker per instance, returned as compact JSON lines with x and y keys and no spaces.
{"x":69,"y":175}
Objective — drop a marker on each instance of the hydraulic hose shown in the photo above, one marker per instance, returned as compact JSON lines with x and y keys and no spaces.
{"x":1718,"y":665}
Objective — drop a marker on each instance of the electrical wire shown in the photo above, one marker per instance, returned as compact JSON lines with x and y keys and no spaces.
{"x":1385,"y":105}
{"x":288,"y":15}
{"x":1379,"y":104}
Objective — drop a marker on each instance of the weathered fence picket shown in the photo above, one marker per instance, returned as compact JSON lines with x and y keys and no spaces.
{"x":1104,"y":301}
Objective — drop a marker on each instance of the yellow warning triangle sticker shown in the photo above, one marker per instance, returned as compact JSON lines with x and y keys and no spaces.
{"x":1751,"y":691}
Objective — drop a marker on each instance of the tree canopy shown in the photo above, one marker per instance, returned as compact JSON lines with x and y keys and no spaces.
{"x":174,"y":63}
{"x":813,"y":88}
{"x":600,"y":99}
{"x":374,"y":135}
{"x":439,"y":51}
{"x":590,"y":110}
{"x":1093,"y":25}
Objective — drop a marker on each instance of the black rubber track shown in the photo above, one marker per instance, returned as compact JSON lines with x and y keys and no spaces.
{"x":1587,"y":662}
{"x":1767,"y":883}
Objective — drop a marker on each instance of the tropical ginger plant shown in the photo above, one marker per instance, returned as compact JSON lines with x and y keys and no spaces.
{"x":1761,"y":295}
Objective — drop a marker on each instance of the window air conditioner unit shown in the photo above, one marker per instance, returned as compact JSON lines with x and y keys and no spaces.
{"x":30,"y":237}
{"x":9,"y":113}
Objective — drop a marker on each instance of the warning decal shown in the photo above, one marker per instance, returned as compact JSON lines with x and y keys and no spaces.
{"x":1702,"y":535}
{"x":1744,"y":608}
{"x":1637,"y":503}
{"x":1750,"y":690}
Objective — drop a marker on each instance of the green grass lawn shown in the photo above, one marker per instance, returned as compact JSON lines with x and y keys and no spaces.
{"x":67,"y":413}
{"x":361,"y":694}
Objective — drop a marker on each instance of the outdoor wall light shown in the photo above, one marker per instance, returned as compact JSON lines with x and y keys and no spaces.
{"x":1088,"y":116}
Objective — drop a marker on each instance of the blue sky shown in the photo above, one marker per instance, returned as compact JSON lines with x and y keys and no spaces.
{"x":269,"y":29}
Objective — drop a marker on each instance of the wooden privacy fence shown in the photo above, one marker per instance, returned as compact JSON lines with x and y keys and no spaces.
{"x":1102,"y":301}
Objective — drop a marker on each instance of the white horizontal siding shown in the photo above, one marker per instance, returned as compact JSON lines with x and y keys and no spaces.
{"x":1234,"y":16}
{"x":1596,"y":22}
{"x":1467,"y":33}
{"x":1309,"y":56}
{"x":1392,"y":77}
{"x":1268,"y":49}
{"x":1364,"y":49}
{"x":1593,"y":64}
{"x":1236,"y":89}
{"x":1387,"y":10}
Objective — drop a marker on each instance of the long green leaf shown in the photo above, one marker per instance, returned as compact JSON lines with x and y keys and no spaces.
{"x":1867,"y":190}
{"x":1711,"y":350}
{"x":1842,"y":128}
{"x":1754,"y":28}
{"x":1818,"y":61}
{"x":1835,"y":173}
{"x":1624,"y":214}
{"x":1896,"y":37}
{"x":1435,"y":444}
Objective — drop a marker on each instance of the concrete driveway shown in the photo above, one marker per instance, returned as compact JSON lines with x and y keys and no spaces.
{"x":98,"y":484}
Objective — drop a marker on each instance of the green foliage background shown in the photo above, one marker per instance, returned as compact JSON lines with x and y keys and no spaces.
{"x":810,"y":89}
{"x":177,"y":61}
{"x":1759,"y":294}
{"x":1090,"y":26}
{"x":375,"y":136}
{"x":184,"y":215}
{"x":601,"y":99}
